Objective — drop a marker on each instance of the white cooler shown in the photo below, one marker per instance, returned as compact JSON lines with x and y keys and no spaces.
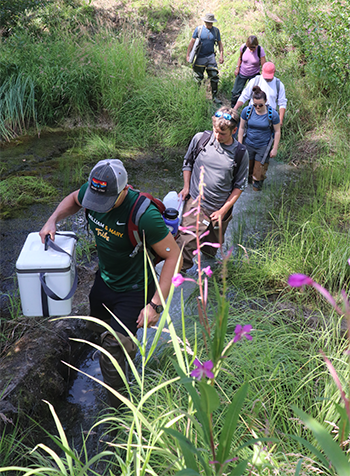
{"x":54,"y":267}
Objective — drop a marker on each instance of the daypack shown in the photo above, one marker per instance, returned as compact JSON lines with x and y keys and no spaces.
{"x":245,"y":47}
{"x":203,"y":141}
{"x":278,"y":84}
{"x":141,"y":204}
{"x":198,"y":43}
{"x":269,"y":116}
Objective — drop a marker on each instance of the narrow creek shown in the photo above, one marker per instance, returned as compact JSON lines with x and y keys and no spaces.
{"x":155,"y":173}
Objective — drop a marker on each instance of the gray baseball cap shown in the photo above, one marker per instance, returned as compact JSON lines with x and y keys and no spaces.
{"x":107,"y":179}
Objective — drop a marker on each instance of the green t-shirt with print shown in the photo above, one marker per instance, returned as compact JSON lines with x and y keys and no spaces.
{"x":120,"y":272}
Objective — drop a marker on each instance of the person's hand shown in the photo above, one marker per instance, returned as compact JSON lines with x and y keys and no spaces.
{"x":221,"y":60}
{"x":273,"y":152}
{"x":236,"y":71}
{"x":152,"y":317}
{"x":216,"y":215}
{"x":184,"y":192}
{"x":188,"y":58}
{"x":48,"y":229}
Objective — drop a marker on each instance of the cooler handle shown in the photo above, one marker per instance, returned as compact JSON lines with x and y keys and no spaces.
{"x":46,"y":291}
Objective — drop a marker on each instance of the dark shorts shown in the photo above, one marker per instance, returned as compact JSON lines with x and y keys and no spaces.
{"x":126,"y":306}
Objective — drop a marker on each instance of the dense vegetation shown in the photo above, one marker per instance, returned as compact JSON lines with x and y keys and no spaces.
{"x":61,"y":61}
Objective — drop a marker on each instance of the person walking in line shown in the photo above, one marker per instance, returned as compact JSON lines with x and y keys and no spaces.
{"x":260,"y":132}
{"x":225,"y":164}
{"x":120,"y":280}
{"x":272,"y":87}
{"x":209,"y":35}
{"x":251,"y":57}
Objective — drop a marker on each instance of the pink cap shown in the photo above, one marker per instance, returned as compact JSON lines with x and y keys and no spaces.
{"x":268,"y":70}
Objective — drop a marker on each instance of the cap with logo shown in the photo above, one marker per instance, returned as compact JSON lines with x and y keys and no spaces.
{"x":107,"y":179}
{"x":268,"y":70}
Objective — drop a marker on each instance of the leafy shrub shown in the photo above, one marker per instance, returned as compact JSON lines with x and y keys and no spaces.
{"x":322,"y":32}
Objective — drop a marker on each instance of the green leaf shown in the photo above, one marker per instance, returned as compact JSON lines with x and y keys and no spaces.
{"x":311,"y":447}
{"x":209,"y":398}
{"x":344,"y":423}
{"x":200,"y":414}
{"x":329,"y":446}
{"x":188,"y":449}
{"x":187,"y":472}
{"x":230,"y":425}
{"x":239,"y":469}
{"x":298,"y":467}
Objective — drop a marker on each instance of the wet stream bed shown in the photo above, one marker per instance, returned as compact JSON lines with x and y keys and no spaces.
{"x":82,"y":399}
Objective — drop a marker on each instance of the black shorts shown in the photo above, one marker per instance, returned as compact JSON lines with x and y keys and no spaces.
{"x":126,"y":306}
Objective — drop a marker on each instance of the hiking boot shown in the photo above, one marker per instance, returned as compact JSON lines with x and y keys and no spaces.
{"x":257,"y":185}
{"x":216,"y":100}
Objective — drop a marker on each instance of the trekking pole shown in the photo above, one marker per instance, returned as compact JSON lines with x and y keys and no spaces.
{"x":267,"y":150}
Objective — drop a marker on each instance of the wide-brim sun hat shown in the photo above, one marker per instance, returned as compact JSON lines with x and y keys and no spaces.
{"x":107,"y":179}
{"x":209,"y":18}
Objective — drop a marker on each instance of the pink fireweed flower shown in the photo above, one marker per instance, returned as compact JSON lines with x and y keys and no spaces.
{"x":202,"y":370}
{"x":186,"y":229}
{"x":241,"y":332}
{"x":178,"y":279}
{"x":298,"y":280}
{"x":206,"y":233}
{"x":213,"y":245}
{"x":207,"y":271}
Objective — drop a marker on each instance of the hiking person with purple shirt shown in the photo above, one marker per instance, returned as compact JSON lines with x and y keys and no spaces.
{"x":251,"y":57}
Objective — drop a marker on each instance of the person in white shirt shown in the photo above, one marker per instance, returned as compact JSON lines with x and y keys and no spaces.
{"x":272,"y":87}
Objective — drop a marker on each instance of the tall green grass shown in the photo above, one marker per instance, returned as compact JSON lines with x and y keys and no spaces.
{"x":17,"y":106}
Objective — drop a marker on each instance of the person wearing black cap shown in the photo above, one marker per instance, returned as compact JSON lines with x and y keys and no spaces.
{"x":205,"y":59}
{"x":120,"y":280}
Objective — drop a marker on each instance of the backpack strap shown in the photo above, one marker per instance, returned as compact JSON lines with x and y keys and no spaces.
{"x":259,"y":51}
{"x":278,"y":85}
{"x":216,"y":30}
{"x":249,"y":113}
{"x":270,"y":117}
{"x":243,"y":51}
{"x":141,"y":204}
{"x":203,"y":141}
{"x":239,"y":154}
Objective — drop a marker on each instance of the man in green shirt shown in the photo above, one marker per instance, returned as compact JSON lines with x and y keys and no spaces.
{"x":120,"y":280}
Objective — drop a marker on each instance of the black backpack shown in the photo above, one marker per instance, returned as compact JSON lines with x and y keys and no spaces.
{"x":203,"y":141}
{"x":245,"y":47}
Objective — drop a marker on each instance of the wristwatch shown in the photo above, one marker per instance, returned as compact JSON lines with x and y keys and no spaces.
{"x":157,"y":307}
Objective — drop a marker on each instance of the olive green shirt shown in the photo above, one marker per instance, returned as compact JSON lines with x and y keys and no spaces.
{"x":120,"y":272}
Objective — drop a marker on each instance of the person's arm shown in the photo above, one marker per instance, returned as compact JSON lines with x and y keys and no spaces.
{"x":282,"y":111}
{"x":282,"y":102}
{"x":232,"y":199}
{"x":236,"y":72}
{"x":186,"y":188}
{"x":246,"y":94}
{"x":221,"y":49}
{"x":276,"y":140}
{"x":262,"y":60}
{"x":66,"y":208}
{"x":170,"y":251}
{"x":189,"y":49}
{"x":241,"y":130}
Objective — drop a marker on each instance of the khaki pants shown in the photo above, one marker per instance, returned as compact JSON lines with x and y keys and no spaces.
{"x":190,"y":243}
